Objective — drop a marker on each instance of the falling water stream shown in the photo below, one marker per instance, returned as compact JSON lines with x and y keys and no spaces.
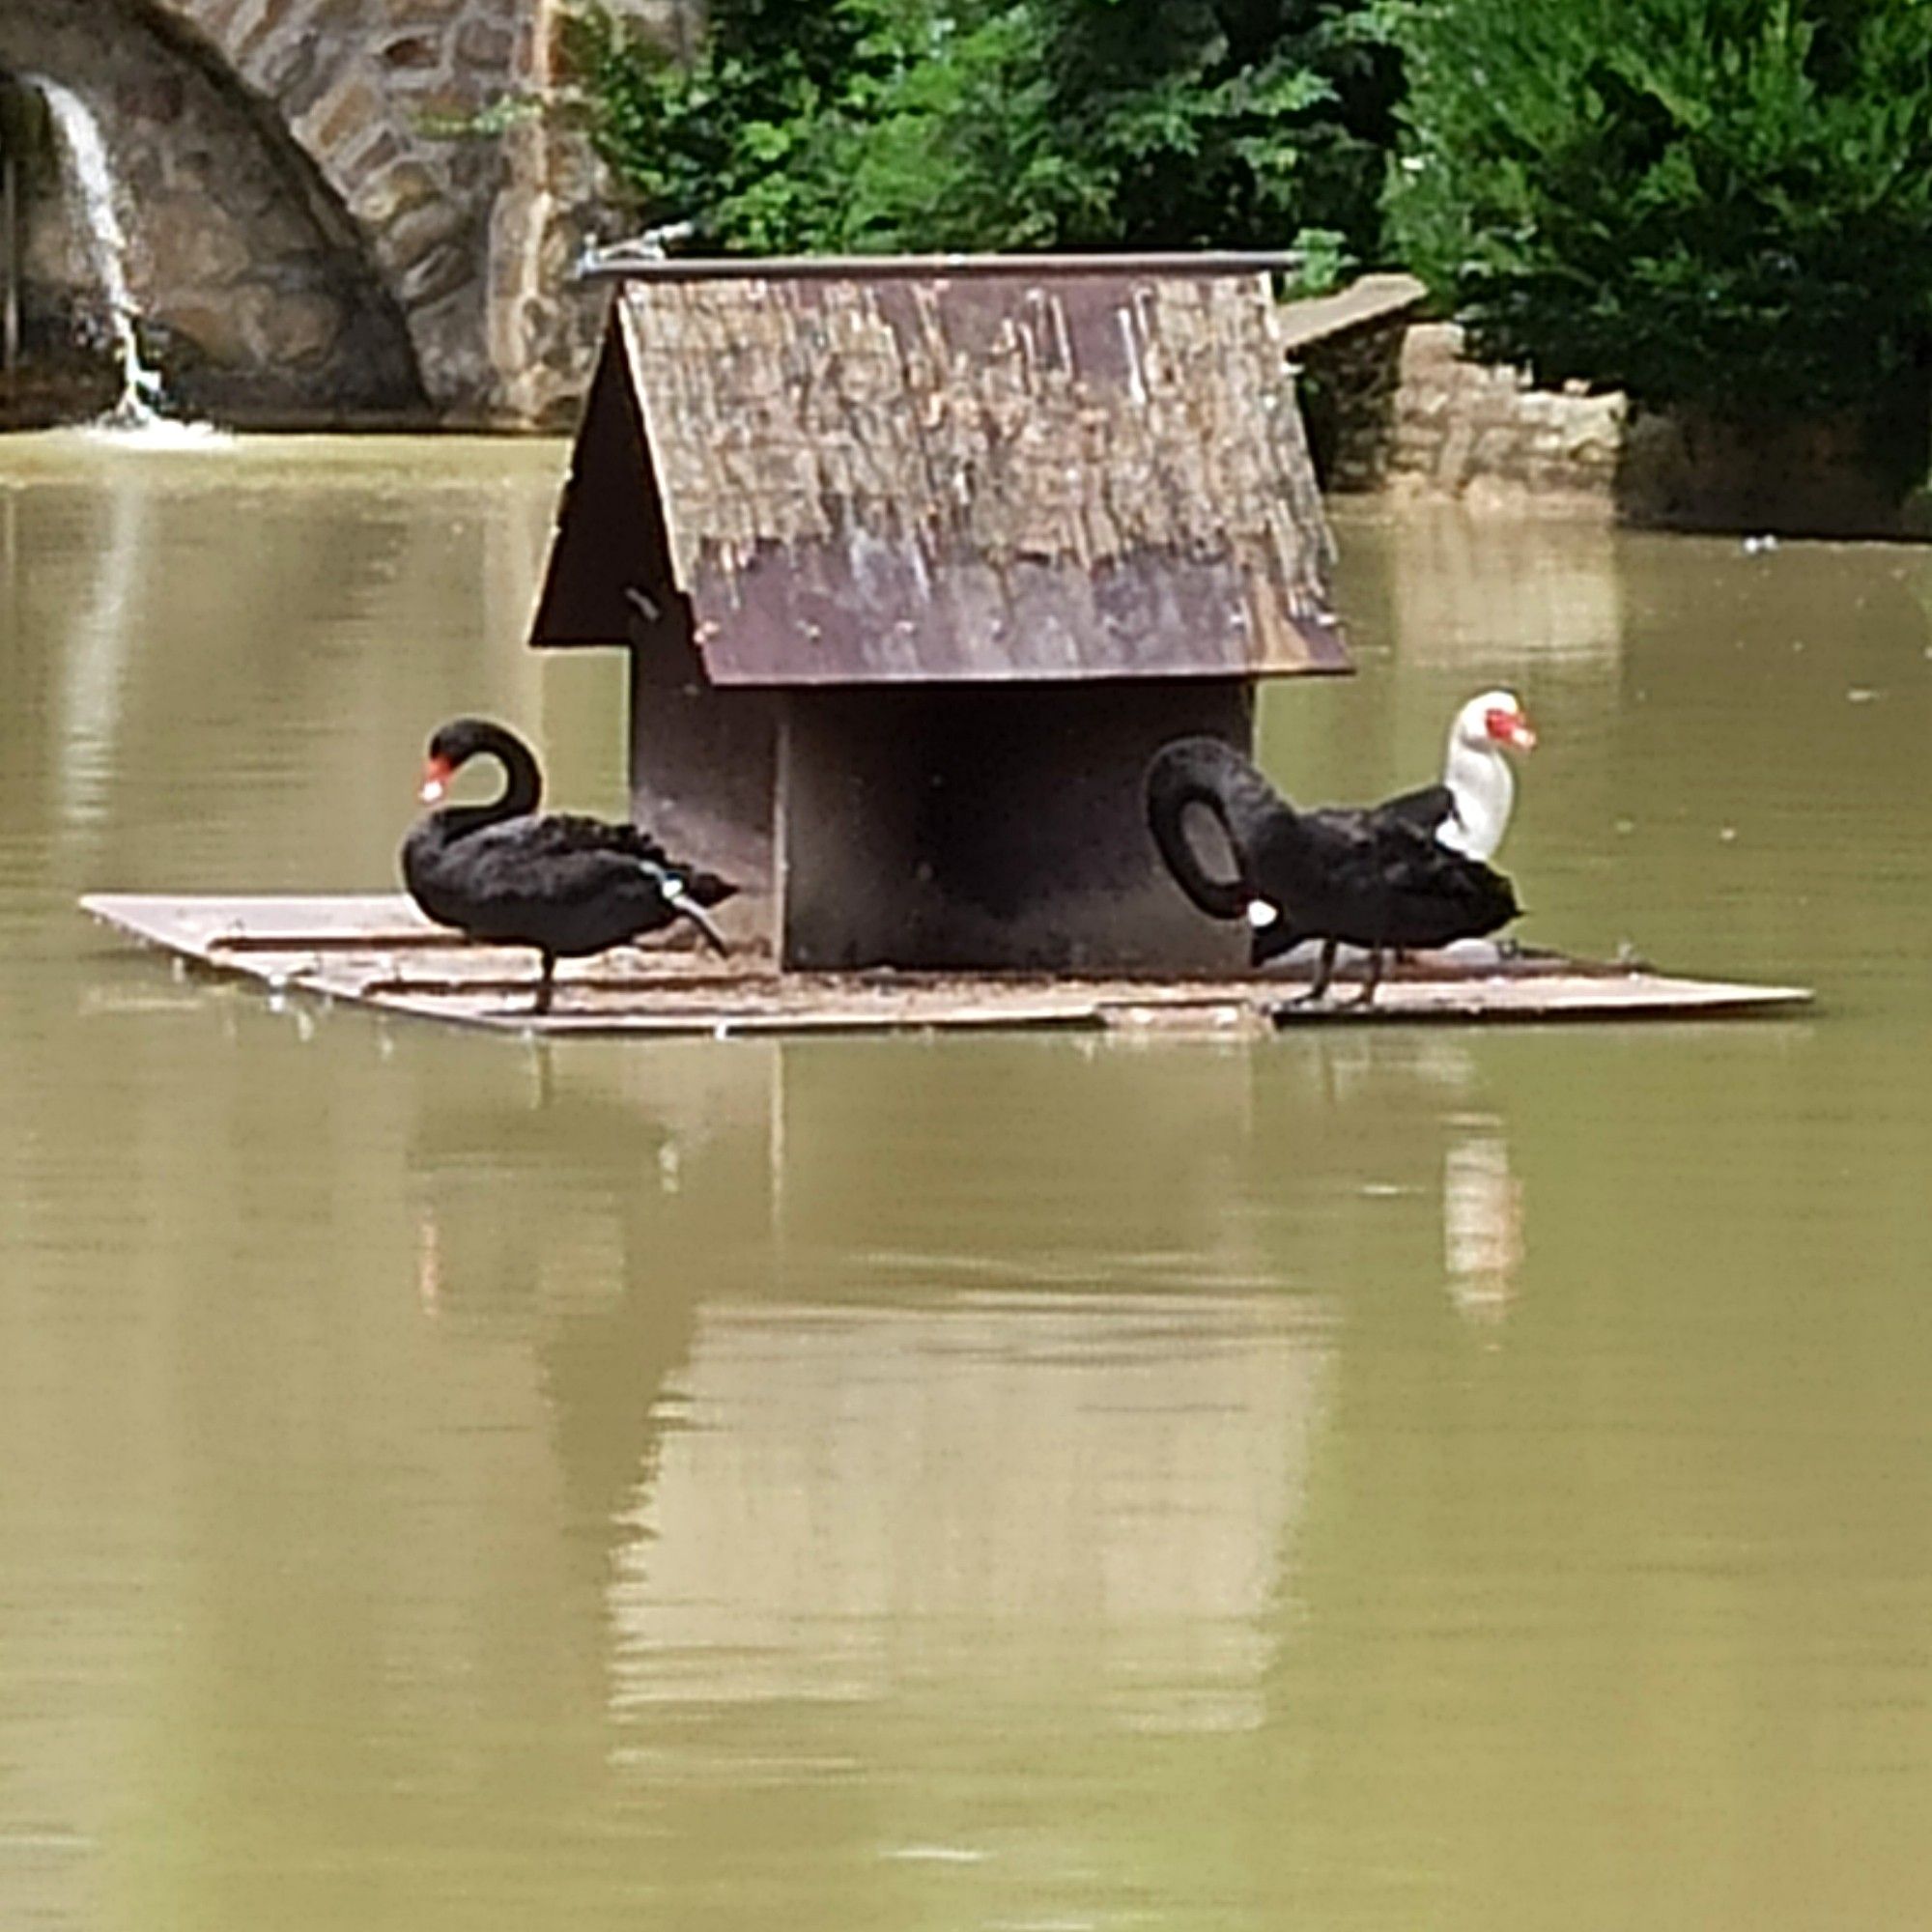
{"x":85,"y":165}
{"x":89,"y":178}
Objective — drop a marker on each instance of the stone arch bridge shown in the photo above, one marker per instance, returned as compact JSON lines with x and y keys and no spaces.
{"x":310,"y":232}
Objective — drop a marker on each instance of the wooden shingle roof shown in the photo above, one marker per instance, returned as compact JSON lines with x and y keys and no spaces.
{"x":896,"y":473}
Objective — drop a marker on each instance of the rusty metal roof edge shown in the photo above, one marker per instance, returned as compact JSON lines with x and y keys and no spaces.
{"x":622,"y":262}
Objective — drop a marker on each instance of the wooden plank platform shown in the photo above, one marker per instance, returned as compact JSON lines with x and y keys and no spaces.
{"x":377,"y":949}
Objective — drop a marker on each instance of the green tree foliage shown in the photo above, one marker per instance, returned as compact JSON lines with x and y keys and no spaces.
{"x":1725,"y":203}
{"x":1032,"y":124}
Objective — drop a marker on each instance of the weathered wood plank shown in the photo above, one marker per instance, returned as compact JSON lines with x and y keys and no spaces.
{"x":375,"y":949}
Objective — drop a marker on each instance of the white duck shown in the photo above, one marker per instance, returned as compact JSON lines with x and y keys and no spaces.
{"x":1470,"y":810}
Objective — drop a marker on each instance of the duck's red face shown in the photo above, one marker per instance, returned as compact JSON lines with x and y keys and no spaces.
{"x":1508,"y":726}
{"x":436,"y":773}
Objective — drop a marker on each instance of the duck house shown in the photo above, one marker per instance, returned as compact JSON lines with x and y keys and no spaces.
{"x":917,"y":562}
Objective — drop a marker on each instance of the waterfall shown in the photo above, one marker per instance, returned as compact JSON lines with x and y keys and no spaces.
{"x":85,"y":166}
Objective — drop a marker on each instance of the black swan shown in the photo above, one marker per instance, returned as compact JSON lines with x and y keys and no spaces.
{"x":1379,"y":877}
{"x":565,"y":884}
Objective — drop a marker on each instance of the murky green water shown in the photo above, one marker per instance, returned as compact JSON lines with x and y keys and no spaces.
{"x":1372,"y":1480}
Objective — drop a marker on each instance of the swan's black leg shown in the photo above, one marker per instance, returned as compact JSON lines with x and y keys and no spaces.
{"x":1324,"y":970}
{"x":545,"y":983}
{"x":1374,"y":978}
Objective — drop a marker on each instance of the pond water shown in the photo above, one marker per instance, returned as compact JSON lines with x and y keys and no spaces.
{"x":1367,"y":1479}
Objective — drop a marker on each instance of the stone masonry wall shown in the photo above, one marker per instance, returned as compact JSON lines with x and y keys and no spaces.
{"x":1464,"y":430}
{"x":306,"y":213}
{"x":360,"y":86}
{"x":256,"y":297}
{"x":1411,"y":415}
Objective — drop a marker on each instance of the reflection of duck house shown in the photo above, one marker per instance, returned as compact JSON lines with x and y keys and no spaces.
{"x":919,"y":563}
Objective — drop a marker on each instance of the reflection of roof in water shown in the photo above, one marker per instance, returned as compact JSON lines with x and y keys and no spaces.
{"x":1073,"y":1487}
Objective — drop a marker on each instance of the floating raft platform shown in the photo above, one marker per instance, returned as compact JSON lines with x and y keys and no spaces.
{"x":378,"y":950}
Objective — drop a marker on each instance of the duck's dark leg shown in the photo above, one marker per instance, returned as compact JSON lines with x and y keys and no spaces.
{"x":1324,"y":970}
{"x":546,"y":984}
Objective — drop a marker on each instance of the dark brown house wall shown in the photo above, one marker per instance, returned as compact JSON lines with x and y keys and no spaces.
{"x":705,"y":772}
{"x":991,"y":826}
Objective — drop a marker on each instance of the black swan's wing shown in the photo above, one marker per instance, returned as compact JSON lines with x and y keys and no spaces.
{"x":1439,"y":895}
{"x":1338,"y":843}
{"x":1428,"y":809}
{"x":559,"y":834}
{"x":1373,"y":878}
{"x":513,"y":869}
{"x":561,"y":838}
{"x":521,"y":883}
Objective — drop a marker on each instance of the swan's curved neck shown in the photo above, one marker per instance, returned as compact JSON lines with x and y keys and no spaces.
{"x":521,"y":793}
{"x":523,"y":783}
{"x":1206,"y":772}
{"x":1484,"y":787}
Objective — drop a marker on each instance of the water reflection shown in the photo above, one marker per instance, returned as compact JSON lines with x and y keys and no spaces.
{"x":807,"y":1494}
{"x":1483,"y":1245}
{"x":793,"y":1487}
{"x":143,"y":618}
{"x":94,"y":658}
{"x":857,"y":1500}
{"x":1553,"y":603}
{"x":940,"y":1484}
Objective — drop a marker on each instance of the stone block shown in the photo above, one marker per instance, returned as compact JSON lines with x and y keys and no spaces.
{"x":1493,"y":451}
{"x":1595,"y":429}
{"x":298,"y":329}
{"x":419,"y":228}
{"x":1430,"y":346}
{"x":215,"y":18}
{"x":435,"y":277}
{"x":1426,"y":402}
{"x":298,"y":95}
{"x":384,"y":199}
{"x":158,"y":99}
{"x":251,"y":37}
{"x":416,"y":51}
{"x":356,"y":166}
{"x":285,"y":66}
{"x":192,"y":244}
{"x":214,"y":322}
{"x":340,"y":117}
{"x":486,"y":49}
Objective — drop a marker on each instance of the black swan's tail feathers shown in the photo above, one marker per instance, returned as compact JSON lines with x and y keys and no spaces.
{"x":1209,"y":773}
{"x":687,"y":907}
{"x":685,"y":894}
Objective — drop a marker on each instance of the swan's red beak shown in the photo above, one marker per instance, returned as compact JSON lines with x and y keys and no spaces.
{"x":434,"y":780}
{"x":1511,"y":728}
